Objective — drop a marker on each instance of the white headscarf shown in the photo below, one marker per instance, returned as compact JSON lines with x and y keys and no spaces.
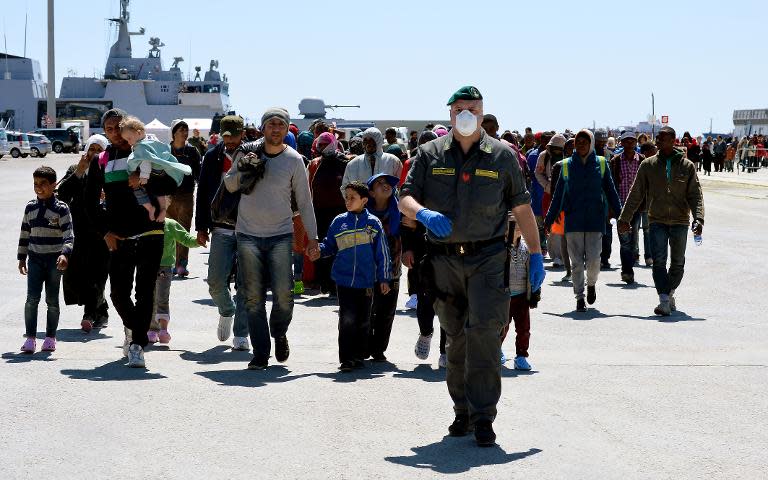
{"x":97,"y":139}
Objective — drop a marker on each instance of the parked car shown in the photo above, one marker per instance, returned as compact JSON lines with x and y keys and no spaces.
{"x":4,"y":150}
{"x":18,"y":144}
{"x":62,"y":139}
{"x":39,"y":145}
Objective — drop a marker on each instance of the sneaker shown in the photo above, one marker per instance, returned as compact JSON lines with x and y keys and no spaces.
{"x":566,"y":278}
{"x":628,"y":278}
{"x":225,"y":327}
{"x":86,"y":324}
{"x":460,"y":426}
{"x":164,"y":336}
{"x":484,"y":434}
{"x":49,"y":344}
{"x":648,"y":262}
{"x":581,"y":306}
{"x":412,"y":302}
{"x":258,"y":363}
{"x":605,"y":265}
{"x":663,"y":309}
{"x":591,"y":294}
{"x":378,"y":357}
{"x":182,"y":271}
{"x":241,"y":344}
{"x":521,"y":363}
{"x":298,"y":287}
{"x":442,"y":362}
{"x":503,"y":358}
{"x":152,"y":336}
{"x":127,"y":341}
{"x":282,"y":350}
{"x":358,"y":364}
{"x":136,"y":356}
{"x":422,"y":347}
{"x":557,"y":263}
{"x":672,"y":306}
{"x":30,"y":344}
{"x":347,"y":366}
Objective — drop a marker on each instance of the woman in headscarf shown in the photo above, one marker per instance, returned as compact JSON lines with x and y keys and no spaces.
{"x":86,"y":275}
{"x":326,"y":173}
{"x":373,"y":161}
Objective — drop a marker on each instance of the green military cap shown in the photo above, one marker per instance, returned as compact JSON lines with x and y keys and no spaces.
{"x":231,"y":125}
{"x":465,"y":93}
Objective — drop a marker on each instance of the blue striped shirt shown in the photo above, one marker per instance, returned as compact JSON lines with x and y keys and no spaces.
{"x":46,"y":228}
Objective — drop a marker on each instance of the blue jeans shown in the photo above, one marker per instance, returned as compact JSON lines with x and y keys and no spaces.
{"x":628,"y":245}
{"x":644,"y":223}
{"x":664,"y":239}
{"x":263,"y":261}
{"x":41,"y":270}
{"x":221,"y":260}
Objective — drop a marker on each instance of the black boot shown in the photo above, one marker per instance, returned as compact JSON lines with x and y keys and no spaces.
{"x":460,"y":426}
{"x":484,"y":434}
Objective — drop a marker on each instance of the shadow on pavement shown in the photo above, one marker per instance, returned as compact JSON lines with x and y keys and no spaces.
{"x":252,"y":378}
{"x":457,"y":455}
{"x":591,"y":314}
{"x":216,"y":355}
{"x":20,"y":357}
{"x":204,"y":301}
{"x":630,"y":286}
{"x":112,"y":371}
{"x":76,"y":335}
{"x":318,"y":301}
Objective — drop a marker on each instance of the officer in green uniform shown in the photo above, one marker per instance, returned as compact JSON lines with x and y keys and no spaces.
{"x":461,"y":187}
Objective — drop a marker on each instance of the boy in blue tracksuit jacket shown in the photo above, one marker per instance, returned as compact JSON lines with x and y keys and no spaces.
{"x":362,"y":260}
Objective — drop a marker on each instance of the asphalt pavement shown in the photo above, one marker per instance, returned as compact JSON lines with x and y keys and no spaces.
{"x":615,"y":392}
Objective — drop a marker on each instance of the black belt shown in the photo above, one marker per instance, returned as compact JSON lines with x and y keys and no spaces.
{"x":461,"y":249}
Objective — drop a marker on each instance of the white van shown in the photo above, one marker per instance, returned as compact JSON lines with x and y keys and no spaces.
{"x":18,"y":144}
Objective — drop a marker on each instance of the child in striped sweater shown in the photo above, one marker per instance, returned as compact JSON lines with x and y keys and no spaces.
{"x":45,"y":243}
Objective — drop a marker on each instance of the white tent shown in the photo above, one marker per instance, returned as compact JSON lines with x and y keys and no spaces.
{"x":159,"y":129}
{"x":202,"y":124}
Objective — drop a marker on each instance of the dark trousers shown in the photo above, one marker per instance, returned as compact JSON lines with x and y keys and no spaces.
{"x":382,"y":317}
{"x":605,"y":254}
{"x":473,"y":307}
{"x":354,"y":319}
{"x":520,"y":314}
{"x":137,"y":259}
{"x":42,"y":271}
{"x":668,"y":241}
{"x":628,"y":244}
{"x":181,"y":208}
{"x":425,"y":314}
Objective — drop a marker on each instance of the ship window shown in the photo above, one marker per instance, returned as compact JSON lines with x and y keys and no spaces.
{"x":164,"y":88}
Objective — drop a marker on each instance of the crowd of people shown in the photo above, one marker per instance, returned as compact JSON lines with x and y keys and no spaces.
{"x":470,"y":213}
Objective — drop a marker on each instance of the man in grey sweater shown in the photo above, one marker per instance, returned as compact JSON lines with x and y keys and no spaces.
{"x":264,"y":233}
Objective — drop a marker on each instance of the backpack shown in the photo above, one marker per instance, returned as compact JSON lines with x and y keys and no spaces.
{"x":602,"y":164}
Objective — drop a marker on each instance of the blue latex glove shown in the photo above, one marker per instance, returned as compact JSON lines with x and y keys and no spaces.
{"x":435,"y":222}
{"x":536,"y":272}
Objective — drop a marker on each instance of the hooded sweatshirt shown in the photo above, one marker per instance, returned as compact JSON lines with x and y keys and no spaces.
{"x":583,"y":198}
{"x":359,"y":168}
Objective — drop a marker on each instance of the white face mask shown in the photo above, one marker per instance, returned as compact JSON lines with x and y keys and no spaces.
{"x":466,"y":123}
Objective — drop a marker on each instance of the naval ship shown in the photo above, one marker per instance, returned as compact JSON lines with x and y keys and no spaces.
{"x":139,"y":85}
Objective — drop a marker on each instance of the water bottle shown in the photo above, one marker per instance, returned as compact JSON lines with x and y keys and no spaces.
{"x":697,"y":239}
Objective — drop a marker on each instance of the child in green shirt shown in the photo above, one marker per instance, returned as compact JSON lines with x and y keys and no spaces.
{"x":173,"y":233}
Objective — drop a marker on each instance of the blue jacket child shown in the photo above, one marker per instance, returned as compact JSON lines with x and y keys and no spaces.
{"x":360,"y":246}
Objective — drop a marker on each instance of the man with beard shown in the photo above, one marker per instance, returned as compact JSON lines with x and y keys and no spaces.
{"x":373,"y":161}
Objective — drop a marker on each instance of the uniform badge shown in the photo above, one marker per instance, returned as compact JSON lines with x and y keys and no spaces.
{"x":473,"y":91}
{"x":465,"y":177}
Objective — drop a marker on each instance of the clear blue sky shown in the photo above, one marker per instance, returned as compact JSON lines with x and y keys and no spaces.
{"x":548,"y":64}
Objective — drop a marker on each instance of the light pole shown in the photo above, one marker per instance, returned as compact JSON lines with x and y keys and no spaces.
{"x":51,"y":108}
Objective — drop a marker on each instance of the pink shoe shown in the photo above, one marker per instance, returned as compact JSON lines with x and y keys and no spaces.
{"x":29,"y":345}
{"x":49,"y":345}
{"x":164,"y":336}
{"x":152,"y":336}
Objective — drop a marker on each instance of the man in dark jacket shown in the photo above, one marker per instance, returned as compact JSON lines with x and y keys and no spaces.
{"x":669,"y":184}
{"x":134,"y":240}
{"x":221,"y":260}
{"x":585,"y":192}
